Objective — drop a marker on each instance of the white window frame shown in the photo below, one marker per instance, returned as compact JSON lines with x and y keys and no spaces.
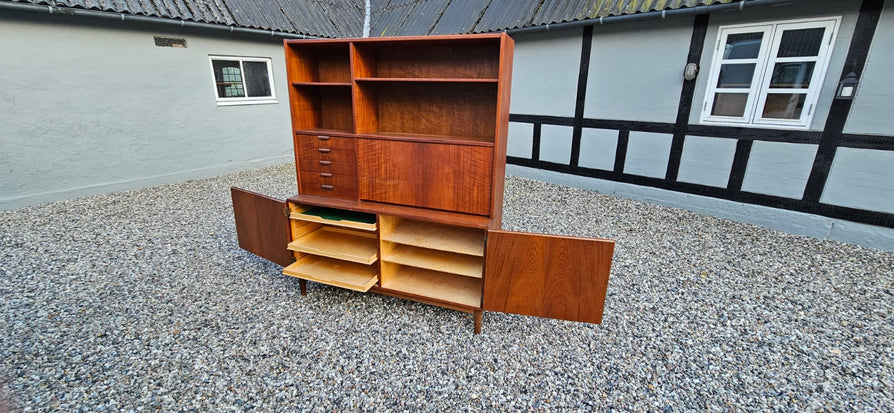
{"x":765,"y":62}
{"x":257,"y":100}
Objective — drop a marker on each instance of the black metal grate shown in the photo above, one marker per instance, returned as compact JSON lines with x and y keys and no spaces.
{"x":170,"y":42}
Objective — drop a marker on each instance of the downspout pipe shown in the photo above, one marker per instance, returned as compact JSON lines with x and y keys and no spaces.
{"x":652,"y":15}
{"x":66,"y":11}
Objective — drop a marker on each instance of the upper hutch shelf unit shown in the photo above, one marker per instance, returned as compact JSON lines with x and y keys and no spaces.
{"x":400,"y":150}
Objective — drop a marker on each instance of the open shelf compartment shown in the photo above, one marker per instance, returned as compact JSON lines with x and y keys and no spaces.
{"x":322,"y":108}
{"x":436,"y":285}
{"x":449,"y":262}
{"x":465,"y":111}
{"x":432,"y":235}
{"x":457,"y":58}
{"x":319,"y":62}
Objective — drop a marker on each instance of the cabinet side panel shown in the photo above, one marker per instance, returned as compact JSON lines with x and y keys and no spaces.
{"x":262,"y":226}
{"x":547,"y":276}
{"x":437,"y":176}
{"x":507,"y":46}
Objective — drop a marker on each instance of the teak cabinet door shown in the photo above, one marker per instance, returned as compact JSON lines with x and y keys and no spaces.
{"x":262,"y":226}
{"x":547,"y":276}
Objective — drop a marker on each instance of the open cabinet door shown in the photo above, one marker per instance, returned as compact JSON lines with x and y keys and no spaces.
{"x":547,"y":276}
{"x":262,"y":225}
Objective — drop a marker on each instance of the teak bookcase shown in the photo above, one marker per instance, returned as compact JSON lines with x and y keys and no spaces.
{"x":400,"y":149}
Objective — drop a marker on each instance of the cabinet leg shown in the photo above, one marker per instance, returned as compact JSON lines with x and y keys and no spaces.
{"x":303,"y":285}
{"x":477,"y":314}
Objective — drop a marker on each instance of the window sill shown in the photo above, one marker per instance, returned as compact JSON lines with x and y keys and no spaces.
{"x":757,"y":126}
{"x":246,"y":102}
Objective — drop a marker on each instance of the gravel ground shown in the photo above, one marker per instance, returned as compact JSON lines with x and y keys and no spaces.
{"x":142,"y":301}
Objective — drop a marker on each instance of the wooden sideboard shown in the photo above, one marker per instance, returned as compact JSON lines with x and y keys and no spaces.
{"x":400,"y":150}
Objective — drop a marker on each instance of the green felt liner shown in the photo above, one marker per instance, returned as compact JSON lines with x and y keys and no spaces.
{"x":332,"y":214}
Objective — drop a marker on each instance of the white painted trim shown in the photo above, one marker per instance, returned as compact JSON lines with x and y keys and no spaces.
{"x":256,"y":100}
{"x":763,"y":73}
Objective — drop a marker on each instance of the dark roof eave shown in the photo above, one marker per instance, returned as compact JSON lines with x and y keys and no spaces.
{"x":652,"y":15}
{"x":126,"y":17}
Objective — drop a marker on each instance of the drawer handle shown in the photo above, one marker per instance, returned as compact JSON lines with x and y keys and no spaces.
{"x":326,"y":163}
{"x":324,"y":150}
{"x":323,"y":137}
{"x":327,"y":187}
{"x":326,"y":174}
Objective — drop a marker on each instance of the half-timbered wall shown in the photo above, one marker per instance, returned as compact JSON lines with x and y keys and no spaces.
{"x":607,"y":108}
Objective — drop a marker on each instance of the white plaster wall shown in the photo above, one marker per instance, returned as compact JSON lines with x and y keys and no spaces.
{"x":520,"y":140}
{"x":636,"y":70}
{"x":707,"y":161}
{"x":647,"y":154}
{"x":861,"y":178}
{"x":597,"y":148}
{"x":871,"y":108}
{"x":555,"y":143}
{"x":779,"y":168}
{"x":96,"y":108}
{"x":544,"y":73}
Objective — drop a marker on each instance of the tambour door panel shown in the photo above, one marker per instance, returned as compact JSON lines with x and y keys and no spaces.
{"x":546,"y":275}
{"x":429,"y":175}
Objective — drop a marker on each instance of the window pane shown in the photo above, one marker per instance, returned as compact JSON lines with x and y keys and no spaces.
{"x":257,"y":78}
{"x":794,"y":75}
{"x":784,"y":105}
{"x":736,"y":75}
{"x":743,"y":45}
{"x":228,"y":77}
{"x":804,"y":42}
{"x":729,"y":104}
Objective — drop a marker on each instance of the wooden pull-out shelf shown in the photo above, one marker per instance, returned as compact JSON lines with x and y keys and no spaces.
{"x":450,"y":238}
{"x":357,"y":277}
{"x":337,"y":217}
{"x":436,"y":285}
{"x":339,"y":244}
{"x":460,"y":264}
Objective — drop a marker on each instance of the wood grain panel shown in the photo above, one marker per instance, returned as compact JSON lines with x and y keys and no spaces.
{"x":476,"y":59}
{"x":262,"y":226}
{"x":437,"y":176}
{"x":547,"y":276}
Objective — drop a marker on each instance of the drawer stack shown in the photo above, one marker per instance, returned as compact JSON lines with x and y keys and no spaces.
{"x":327,"y":166}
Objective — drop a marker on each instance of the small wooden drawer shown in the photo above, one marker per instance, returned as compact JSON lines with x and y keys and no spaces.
{"x":329,"y":178}
{"x":327,"y":164}
{"x":327,"y":184}
{"x":313,"y":142}
{"x":326,"y":154}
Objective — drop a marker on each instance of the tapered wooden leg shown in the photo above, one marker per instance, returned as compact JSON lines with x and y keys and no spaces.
{"x":478,"y":321}
{"x":303,"y":285}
